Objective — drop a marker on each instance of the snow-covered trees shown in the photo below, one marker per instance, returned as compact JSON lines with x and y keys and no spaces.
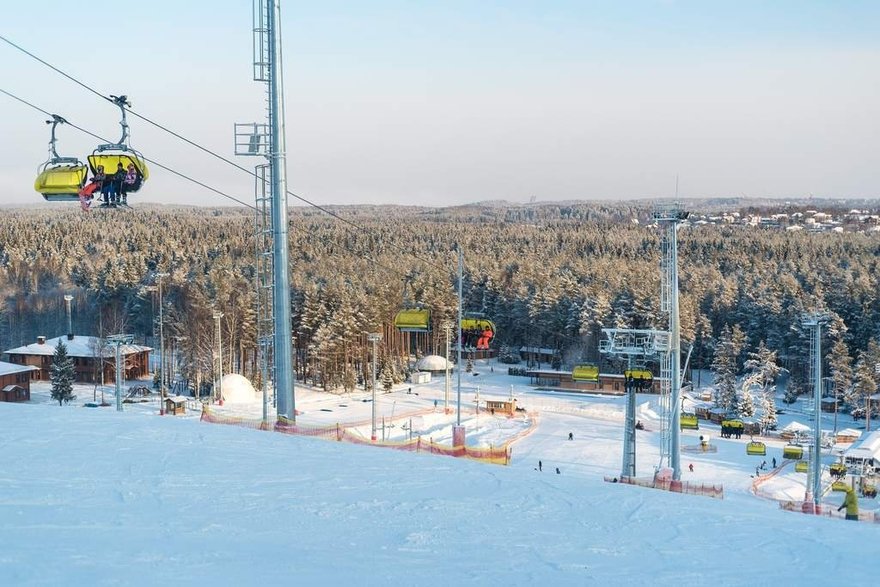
{"x":725,"y":367}
{"x":61,"y":375}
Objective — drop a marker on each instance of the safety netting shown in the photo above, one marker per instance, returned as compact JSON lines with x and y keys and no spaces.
{"x":706,"y":490}
{"x":495,"y":454}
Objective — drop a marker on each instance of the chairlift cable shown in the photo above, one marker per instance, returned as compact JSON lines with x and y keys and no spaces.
{"x":200,"y":147}
{"x":153,"y":161}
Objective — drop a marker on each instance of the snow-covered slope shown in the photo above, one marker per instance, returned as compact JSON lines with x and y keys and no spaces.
{"x":95,"y":496}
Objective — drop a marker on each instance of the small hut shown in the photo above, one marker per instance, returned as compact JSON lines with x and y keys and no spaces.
{"x":507,"y":407}
{"x":175,"y":405}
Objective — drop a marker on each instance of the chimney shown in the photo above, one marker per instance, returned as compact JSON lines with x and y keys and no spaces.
{"x":41,"y":340}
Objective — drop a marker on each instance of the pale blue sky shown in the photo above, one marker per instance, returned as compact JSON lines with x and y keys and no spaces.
{"x":450,"y":102}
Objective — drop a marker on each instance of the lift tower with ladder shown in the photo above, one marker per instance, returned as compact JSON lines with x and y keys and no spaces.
{"x":273,"y":281}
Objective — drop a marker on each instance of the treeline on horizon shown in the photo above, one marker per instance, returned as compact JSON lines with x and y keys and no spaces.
{"x":549,"y":275}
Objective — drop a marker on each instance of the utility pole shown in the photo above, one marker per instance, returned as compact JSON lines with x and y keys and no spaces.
{"x":374,"y":337}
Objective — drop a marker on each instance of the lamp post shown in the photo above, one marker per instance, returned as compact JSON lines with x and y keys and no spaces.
{"x":217,"y":316}
{"x":374,"y":337}
{"x":158,"y":288}
{"x":119,"y":340}
{"x":447,"y":326}
{"x":68,"y":298}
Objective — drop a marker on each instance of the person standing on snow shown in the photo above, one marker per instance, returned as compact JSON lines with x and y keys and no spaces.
{"x":851,"y":503}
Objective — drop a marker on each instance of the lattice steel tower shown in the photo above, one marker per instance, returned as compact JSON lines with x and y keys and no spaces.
{"x":669,"y":217}
{"x":272,"y":272}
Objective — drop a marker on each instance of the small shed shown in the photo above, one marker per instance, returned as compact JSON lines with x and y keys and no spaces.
{"x":175,"y":405}
{"x":829,"y":404}
{"x":501,"y":406}
{"x":14,"y":393}
{"x":419,"y":377}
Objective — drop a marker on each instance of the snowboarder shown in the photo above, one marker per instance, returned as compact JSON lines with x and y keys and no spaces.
{"x":570,"y":436}
{"x":691,"y":467}
{"x":540,"y":466}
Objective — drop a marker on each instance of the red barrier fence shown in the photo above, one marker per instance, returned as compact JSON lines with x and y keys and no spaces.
{"x":716,"y":491}
{"x":499,"y":455}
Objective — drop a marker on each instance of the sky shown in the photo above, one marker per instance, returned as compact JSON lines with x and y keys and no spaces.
{"x":394,"y":101}
{"x":94,"y":496}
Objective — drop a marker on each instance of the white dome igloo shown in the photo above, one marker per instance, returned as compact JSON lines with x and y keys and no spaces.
{"x":432,"y":363}
{"x":236,"y":389}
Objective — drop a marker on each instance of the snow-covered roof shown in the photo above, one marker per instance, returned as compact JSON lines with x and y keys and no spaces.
{"x":432,"y":363}
{"x":177,"y":399}
{"x":79,"y":346}
{"x":849,"y":432}
{"x":10,"y":368}
{"x":796,"y":427}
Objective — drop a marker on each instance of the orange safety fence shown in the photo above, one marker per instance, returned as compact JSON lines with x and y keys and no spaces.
{"x":716,"y":491}
{"x":499,"y":455}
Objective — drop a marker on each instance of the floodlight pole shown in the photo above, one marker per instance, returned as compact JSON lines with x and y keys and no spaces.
{"x":67,"y":299}
{"x":447,"y":327}
{"x":814,"y":322}
{"x":460,"y":272}
{"x":374,"y":337}
{"x":217,"y":316}
{"x":118,"y":377}
{"x":159,"y":277}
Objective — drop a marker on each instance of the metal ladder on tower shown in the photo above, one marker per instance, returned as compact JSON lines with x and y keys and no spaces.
{"x":253,"y":139}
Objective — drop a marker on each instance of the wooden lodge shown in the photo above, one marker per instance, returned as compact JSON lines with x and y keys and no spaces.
{"x":92,"y":357}
{"x":15,"y":382}
{"x":608,"y":383}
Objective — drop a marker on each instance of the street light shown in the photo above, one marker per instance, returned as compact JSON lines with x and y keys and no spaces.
{"x":119,"y":340}
{"x":158,"y":287}
{"x":447,"y":326}
{"x":374,"y":337}
{"x":217,"y":316}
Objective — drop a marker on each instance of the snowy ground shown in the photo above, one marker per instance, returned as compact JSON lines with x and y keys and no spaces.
{"x":89,"y":495}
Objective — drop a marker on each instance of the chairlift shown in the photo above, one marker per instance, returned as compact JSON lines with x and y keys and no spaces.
{"x":60,"y":178}
{"x":110,"y":155}
{"x":792,"y":451}
{"x":801,"y":467}
{"x":756,"y":448}
{"x":412,"y":317}
{"x":837,"y":470}
{"x":585,"y":372}
{"x":689,"y":421}
{"x":477,"y":330}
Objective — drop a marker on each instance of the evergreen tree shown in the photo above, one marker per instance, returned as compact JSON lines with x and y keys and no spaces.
{"x":62,"y":375}
{"x":746,"y":405}
{"x":768,"y":419}
{"x":724,"y":367}
{"x":387,"y":381}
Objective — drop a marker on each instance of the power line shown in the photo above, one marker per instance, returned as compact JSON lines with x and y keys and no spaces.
{"x":199,"y":146}
{"x":217,"y":156}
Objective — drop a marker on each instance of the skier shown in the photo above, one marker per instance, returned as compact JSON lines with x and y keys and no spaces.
{"x":540,"y":466}
{"x":851,"y":503}
{"x":691,"y":467}
{"x":557,"y":470}
{"x":570,"y":436}
{"x":774,"y":462}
